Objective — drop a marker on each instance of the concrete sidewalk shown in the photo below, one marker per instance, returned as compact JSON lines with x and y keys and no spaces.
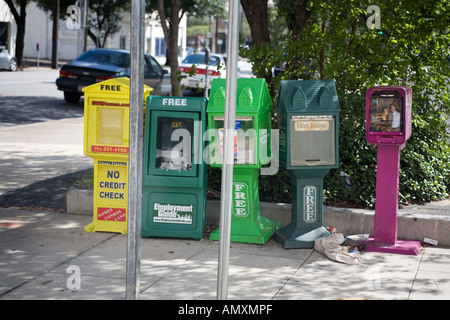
{"x":46,"y":255}
{"x":415,"y":222}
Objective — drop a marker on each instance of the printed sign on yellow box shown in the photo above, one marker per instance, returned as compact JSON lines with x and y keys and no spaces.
{"x":106,"y":140}
{"x":110,"y":197}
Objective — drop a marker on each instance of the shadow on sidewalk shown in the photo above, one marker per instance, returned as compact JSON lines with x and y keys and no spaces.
{"x":48,"y":194}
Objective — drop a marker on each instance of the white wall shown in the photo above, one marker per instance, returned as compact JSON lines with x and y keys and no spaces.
{"x":154,"y":34}
{"x":6,"y":16}
{"x":39,"y":28}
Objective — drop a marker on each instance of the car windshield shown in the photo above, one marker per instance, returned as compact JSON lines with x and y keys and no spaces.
{"x":199,"y":58}
{"x":105,"y":57}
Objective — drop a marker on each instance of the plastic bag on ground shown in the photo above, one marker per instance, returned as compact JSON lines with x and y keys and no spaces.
{"x":330,"y":246}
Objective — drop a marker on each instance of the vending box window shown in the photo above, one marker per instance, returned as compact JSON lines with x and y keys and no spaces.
{"x":110,"y":126}
{"x":244,"y":140}
{"x":308,"y":120}
{"x":388,"y":115}
{"x":174,"y":143}
{"x":166,"y":151}
{"x":312,"y":140}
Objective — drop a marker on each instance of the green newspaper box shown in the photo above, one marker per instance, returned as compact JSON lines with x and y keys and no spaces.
{"x":174,"y":173}
{"x":251,"y":151}
{"x":308,"y":119}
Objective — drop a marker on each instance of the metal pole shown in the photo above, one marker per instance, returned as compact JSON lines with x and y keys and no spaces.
{"x":228,"y":160}
{"x":206,"y":82}
{"x":135,"y":149}
{"x":55,"y":34}
{"x":37,"y":48}
{"x":85,"y":25}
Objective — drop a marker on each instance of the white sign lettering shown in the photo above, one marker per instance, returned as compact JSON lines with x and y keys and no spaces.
{"x":174,"y":102}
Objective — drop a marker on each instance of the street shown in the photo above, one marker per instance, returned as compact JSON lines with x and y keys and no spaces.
{"x":41,"y":136}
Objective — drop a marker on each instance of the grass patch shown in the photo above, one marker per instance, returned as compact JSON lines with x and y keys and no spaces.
{"x":86,"y":181}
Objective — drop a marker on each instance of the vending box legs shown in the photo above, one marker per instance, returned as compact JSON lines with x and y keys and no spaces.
{"x":247,"y":225}
{"x":307,"y":211}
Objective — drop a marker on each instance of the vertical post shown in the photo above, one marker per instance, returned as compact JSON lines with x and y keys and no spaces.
{"x":228,"y":160}
{"x":206,"y":70}
{"x":135,"y":149}
{"x":85,"y":25}
{"x":37,"y":49}
{"x":55,"y":34}
{"x":386,"y":206}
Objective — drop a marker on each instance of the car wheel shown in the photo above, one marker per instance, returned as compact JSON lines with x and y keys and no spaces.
{"x":71,"y":97}
{"x":12,"y":65}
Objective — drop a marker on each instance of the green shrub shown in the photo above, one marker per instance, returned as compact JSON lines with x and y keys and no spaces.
{"x":336,"y":44}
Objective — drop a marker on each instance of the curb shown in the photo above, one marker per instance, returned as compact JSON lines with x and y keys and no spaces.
{"x":411,"y":226}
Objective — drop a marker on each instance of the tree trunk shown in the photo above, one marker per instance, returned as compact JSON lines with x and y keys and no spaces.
{"x":20,"y":21}
{"x":92,"y":36}
{"x":302,"y":16}
{"x":171,"y":38}
{"x":55,"y":34}
{"x":257,"y":17}
{"x":296,"y":15}
{"x":20,"y":44}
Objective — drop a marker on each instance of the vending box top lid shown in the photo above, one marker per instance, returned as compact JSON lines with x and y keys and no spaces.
{"x":252,"y":96}
{"x":176,"y":103}
{"x":308,"y":96}
{"x":114,"y":85}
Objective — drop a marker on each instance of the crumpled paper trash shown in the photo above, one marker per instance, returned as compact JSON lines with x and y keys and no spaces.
{"x":330,"y":246}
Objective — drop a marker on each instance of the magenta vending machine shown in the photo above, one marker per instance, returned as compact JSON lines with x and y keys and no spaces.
{"x":388,"y":125}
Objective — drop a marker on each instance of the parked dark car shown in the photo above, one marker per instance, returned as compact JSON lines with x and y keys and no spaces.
{"x":7,"y":61}
{"x":97,"y":65}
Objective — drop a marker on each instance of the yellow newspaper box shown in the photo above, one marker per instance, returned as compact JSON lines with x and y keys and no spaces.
{"x":106,"y":140}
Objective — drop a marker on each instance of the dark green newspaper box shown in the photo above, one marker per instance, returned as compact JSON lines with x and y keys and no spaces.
{"x":174,"y":173}
{"x":252,"y":143}
{"x":308,"y":119}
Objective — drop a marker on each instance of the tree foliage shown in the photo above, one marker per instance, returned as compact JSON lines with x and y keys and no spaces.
{"x":103,"y":18}
{"x":413,"y":50}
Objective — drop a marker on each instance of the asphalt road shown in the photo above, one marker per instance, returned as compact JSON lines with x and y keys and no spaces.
{"x":41,"y":138}
{"x":28,"y":97}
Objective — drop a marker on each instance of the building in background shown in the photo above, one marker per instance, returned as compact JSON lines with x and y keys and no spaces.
{"x":8,"y":29}
{"x":154,"y":38}
{"x":39,"y":25}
